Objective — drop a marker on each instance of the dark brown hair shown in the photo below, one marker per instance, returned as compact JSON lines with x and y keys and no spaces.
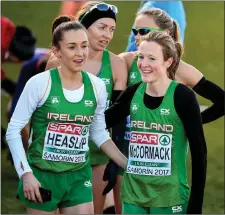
{"x":170,"y":49}
{"x":61,"y":19}
{"x":64,"y":27}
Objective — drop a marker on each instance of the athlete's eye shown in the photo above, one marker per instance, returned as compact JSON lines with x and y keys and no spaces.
{"x":140,"y":56}
{"x":151,"y":58}
{"x":101,"y":28}
{"x":72,"y":47}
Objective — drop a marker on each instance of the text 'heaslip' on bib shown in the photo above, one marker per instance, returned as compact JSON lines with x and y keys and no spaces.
{"x":66,"y":142}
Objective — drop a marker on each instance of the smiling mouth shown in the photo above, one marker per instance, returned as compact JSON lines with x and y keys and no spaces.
{"x":146,"y":71}
{"x":78,"y":61}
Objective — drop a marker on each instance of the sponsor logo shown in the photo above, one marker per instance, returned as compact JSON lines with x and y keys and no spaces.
{"x":134,"y":108}
{"x":165,"y":112}
{"x":106,"y":80}
{"x":55,"y":100}
{"x":87,"y":184}
{"x":88,"y":103}
{"x":144,"y":138}
{"x":66,"y":128}
{"x":177,"y":209}
{"x":164,"y":140}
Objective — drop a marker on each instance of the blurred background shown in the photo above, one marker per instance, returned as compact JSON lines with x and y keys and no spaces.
{"x":204,"y":49}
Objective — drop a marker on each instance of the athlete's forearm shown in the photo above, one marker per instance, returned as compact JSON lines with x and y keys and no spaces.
{"x":188,"y":110}
{"x":19,"y":156}
{"x":118,"y":130}
{"x":110,"y":149}
{"x":214,"y":93}
{"x":25,"y":136}
{"x":98,"y":132}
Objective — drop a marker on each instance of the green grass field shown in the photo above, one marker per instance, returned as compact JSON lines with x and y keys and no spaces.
{"x":204,"y":48}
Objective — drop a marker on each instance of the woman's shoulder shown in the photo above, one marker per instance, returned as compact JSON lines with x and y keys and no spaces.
{"x":188,"y":74}
{"x":183,"y":93}
{"x":129,"y":57}
{"x":115,"y":59}
{"x":118,"y":65}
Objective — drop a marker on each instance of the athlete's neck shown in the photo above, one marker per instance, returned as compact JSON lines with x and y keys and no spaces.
{"x":70,"y":81}
{"x":95,"y":55}
{"x":158,"y":88}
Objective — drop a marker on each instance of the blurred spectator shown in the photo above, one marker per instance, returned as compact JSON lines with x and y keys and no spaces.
{"x":70,"y":7}
{"x":17,"y":45}
{"x":29,"y":68}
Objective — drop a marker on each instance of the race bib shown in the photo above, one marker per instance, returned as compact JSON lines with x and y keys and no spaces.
{"x":150,"y":154}
{"x":66,"y":142}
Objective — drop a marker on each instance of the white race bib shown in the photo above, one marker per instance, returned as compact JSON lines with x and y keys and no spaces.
{"x":150,"y":154}
{"x":66,"y":142}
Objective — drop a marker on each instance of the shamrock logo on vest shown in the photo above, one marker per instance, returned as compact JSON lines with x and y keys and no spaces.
{"x":134,"y":108}
{"x":55,"y":100}
{"x":133,"y":75}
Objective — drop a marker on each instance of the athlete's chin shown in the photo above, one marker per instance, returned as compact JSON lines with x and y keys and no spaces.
{"x":99,"y":48}
{"x":147,"y":78}
{"x":77,"y":69}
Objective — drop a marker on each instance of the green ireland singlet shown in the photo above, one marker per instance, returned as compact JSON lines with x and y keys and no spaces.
{"x":134,"y":76}
{"x":98,"y":157}
{"x":61,"y":129}
{"x":156,"y":171}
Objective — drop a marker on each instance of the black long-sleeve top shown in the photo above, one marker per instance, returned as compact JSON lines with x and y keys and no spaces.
{"x":188,"y":111}
{"x":214,"y":93}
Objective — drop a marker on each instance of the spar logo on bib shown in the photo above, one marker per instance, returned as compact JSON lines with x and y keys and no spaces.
{"x":66,"y":128}
{"x":164,"y":140}
{"x":55,"y":100}
{"x":144,"y":138}
{"x":134,"y":108}
{"x":84,"y":130}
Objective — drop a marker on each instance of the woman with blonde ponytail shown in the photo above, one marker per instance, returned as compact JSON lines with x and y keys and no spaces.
{"x":164,"y":119}
{"x":159,"y":20}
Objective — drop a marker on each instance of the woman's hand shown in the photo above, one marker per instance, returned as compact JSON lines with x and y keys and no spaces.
{"x":31,"y":187}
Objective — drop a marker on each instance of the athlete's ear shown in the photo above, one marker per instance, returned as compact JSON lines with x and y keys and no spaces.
{"x":56,"y":52}
{"x":169,"y":62}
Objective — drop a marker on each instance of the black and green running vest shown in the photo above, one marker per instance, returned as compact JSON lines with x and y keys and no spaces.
{"x":156,"y":171}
